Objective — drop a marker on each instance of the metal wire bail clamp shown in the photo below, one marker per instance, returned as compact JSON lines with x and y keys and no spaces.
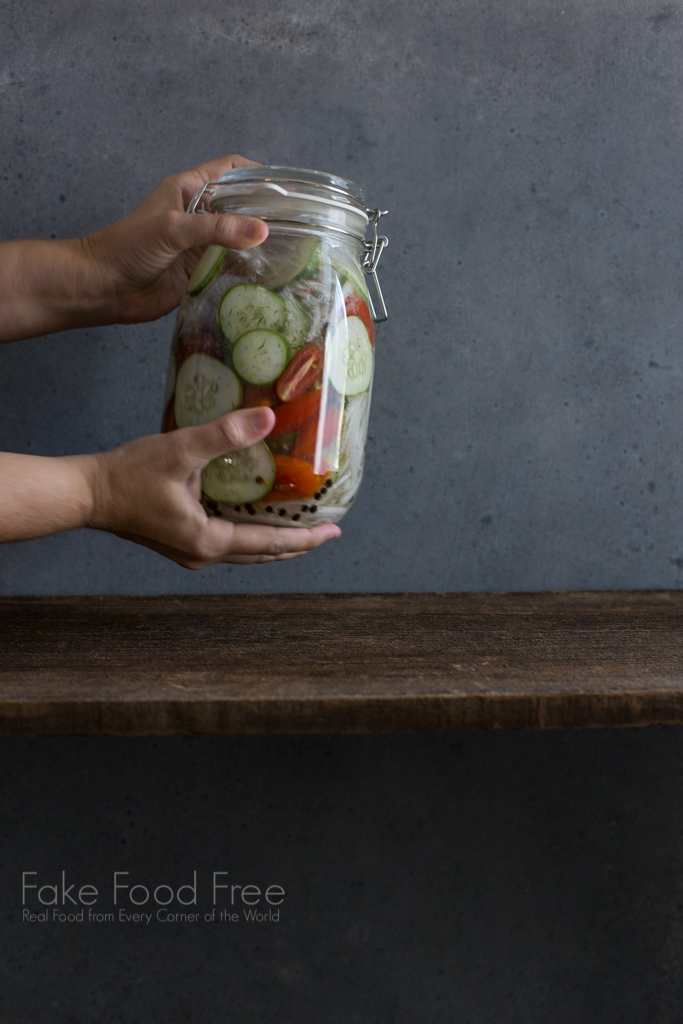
{"x":199,"y":195}
{"x":373,"y":249}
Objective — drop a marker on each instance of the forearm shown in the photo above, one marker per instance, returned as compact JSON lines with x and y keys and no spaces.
{"x":46,"y":286}
{"x":130,"y":272}
{"x":40,"y":496}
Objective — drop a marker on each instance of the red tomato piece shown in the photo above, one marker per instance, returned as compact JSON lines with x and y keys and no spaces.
{"x":302,"y":373}
{"x":294,"y":478}
{"x":307,"y":435}
{"x":356,"y":306}
{"x":291,"y":415}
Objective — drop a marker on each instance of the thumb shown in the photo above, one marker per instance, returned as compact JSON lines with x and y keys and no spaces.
{"x":229,"y":433}
{"x":186,"y":230}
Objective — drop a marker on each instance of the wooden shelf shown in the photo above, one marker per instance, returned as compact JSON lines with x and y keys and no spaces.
{"x":339,"y":663}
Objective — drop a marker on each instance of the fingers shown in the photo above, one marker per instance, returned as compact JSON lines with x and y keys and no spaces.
{"x":228,"y":546}
{"x":190,"y":181}
{"x":198,"y":445}
{"x":176,"y":190}
{"x":268,"y":543}
{"x":187,"y":230}
{"x":261,"y":559}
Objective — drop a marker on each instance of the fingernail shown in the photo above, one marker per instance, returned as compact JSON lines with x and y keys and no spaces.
{"x":259,"y":418}
{"x":253,"y":229}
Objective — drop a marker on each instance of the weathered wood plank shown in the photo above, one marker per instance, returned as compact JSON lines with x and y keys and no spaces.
{"x":339,"y":663}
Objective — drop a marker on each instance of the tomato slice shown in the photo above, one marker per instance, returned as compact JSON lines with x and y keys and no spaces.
{"x":307,"y":435}
{"x":302,"y":373}
{"x":294,"y":478}
{"x":356,"y":306}
{"x":291,"y":415}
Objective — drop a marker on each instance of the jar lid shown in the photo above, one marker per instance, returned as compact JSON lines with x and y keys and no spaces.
{"x":292,"y":194}
{"x":311,"y":183}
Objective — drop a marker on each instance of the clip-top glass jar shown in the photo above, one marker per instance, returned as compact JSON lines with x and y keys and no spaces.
{"x":289,"y":324}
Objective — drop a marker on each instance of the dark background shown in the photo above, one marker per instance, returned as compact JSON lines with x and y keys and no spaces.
{"x":464,"y":879}
{"x":525,"y":434}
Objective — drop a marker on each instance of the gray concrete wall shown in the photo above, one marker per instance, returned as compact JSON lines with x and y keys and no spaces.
{"x":527,"y":417}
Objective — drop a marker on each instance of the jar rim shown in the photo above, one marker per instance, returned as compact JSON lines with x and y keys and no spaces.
{"x":309,"y":184}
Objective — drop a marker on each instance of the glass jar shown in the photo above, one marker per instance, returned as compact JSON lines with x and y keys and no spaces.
{"x":288,"y":324}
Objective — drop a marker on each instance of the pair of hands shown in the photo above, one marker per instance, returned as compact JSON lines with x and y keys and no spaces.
{"x":147,"y":490}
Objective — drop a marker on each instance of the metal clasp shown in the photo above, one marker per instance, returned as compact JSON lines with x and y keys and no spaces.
{"x":373,"y":249}
{"x":206,"y":189}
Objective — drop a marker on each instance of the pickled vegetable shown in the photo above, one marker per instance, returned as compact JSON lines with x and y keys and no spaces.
{"x":205,"y":389}
{"x":286,"y":324}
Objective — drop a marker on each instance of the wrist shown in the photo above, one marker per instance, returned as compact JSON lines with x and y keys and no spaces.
{"x":100,"y":292}
{"x":76,"y":296}
{"x":40,"y":496}
{"x":95,"y":490}
{"x":48,"y":286}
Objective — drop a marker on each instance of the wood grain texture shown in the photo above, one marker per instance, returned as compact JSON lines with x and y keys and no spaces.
{"x":339,"y":663}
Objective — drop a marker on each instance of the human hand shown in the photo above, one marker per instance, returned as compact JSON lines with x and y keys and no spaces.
{"x":139,"y":267}
{"x":135,"y":270}
{"x":148,"y":491}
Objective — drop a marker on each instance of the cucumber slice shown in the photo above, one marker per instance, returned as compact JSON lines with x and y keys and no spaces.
{"x":239,"y":477}
{"x":350,"y":357}
{"x":260,"y":356}
{"x":205,"y":389}
{"x":296,"y":325}
{"x":245,"y":307}
{"x":287,"y":259}
{"x":352,"y":287}
{"x":207,"y":268}
{"x":351,"y":278}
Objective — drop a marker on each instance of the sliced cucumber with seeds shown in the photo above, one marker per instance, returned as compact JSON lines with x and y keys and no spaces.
{"x":260,"y":356}
{"x":287,"y":259}
{"x":296,"y":325}
{"x":205,"y":389}
{"x":207,"y":268}
{"x":240,"y":477}
{"x":246,"y":307}
{"x":349,"y":357}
